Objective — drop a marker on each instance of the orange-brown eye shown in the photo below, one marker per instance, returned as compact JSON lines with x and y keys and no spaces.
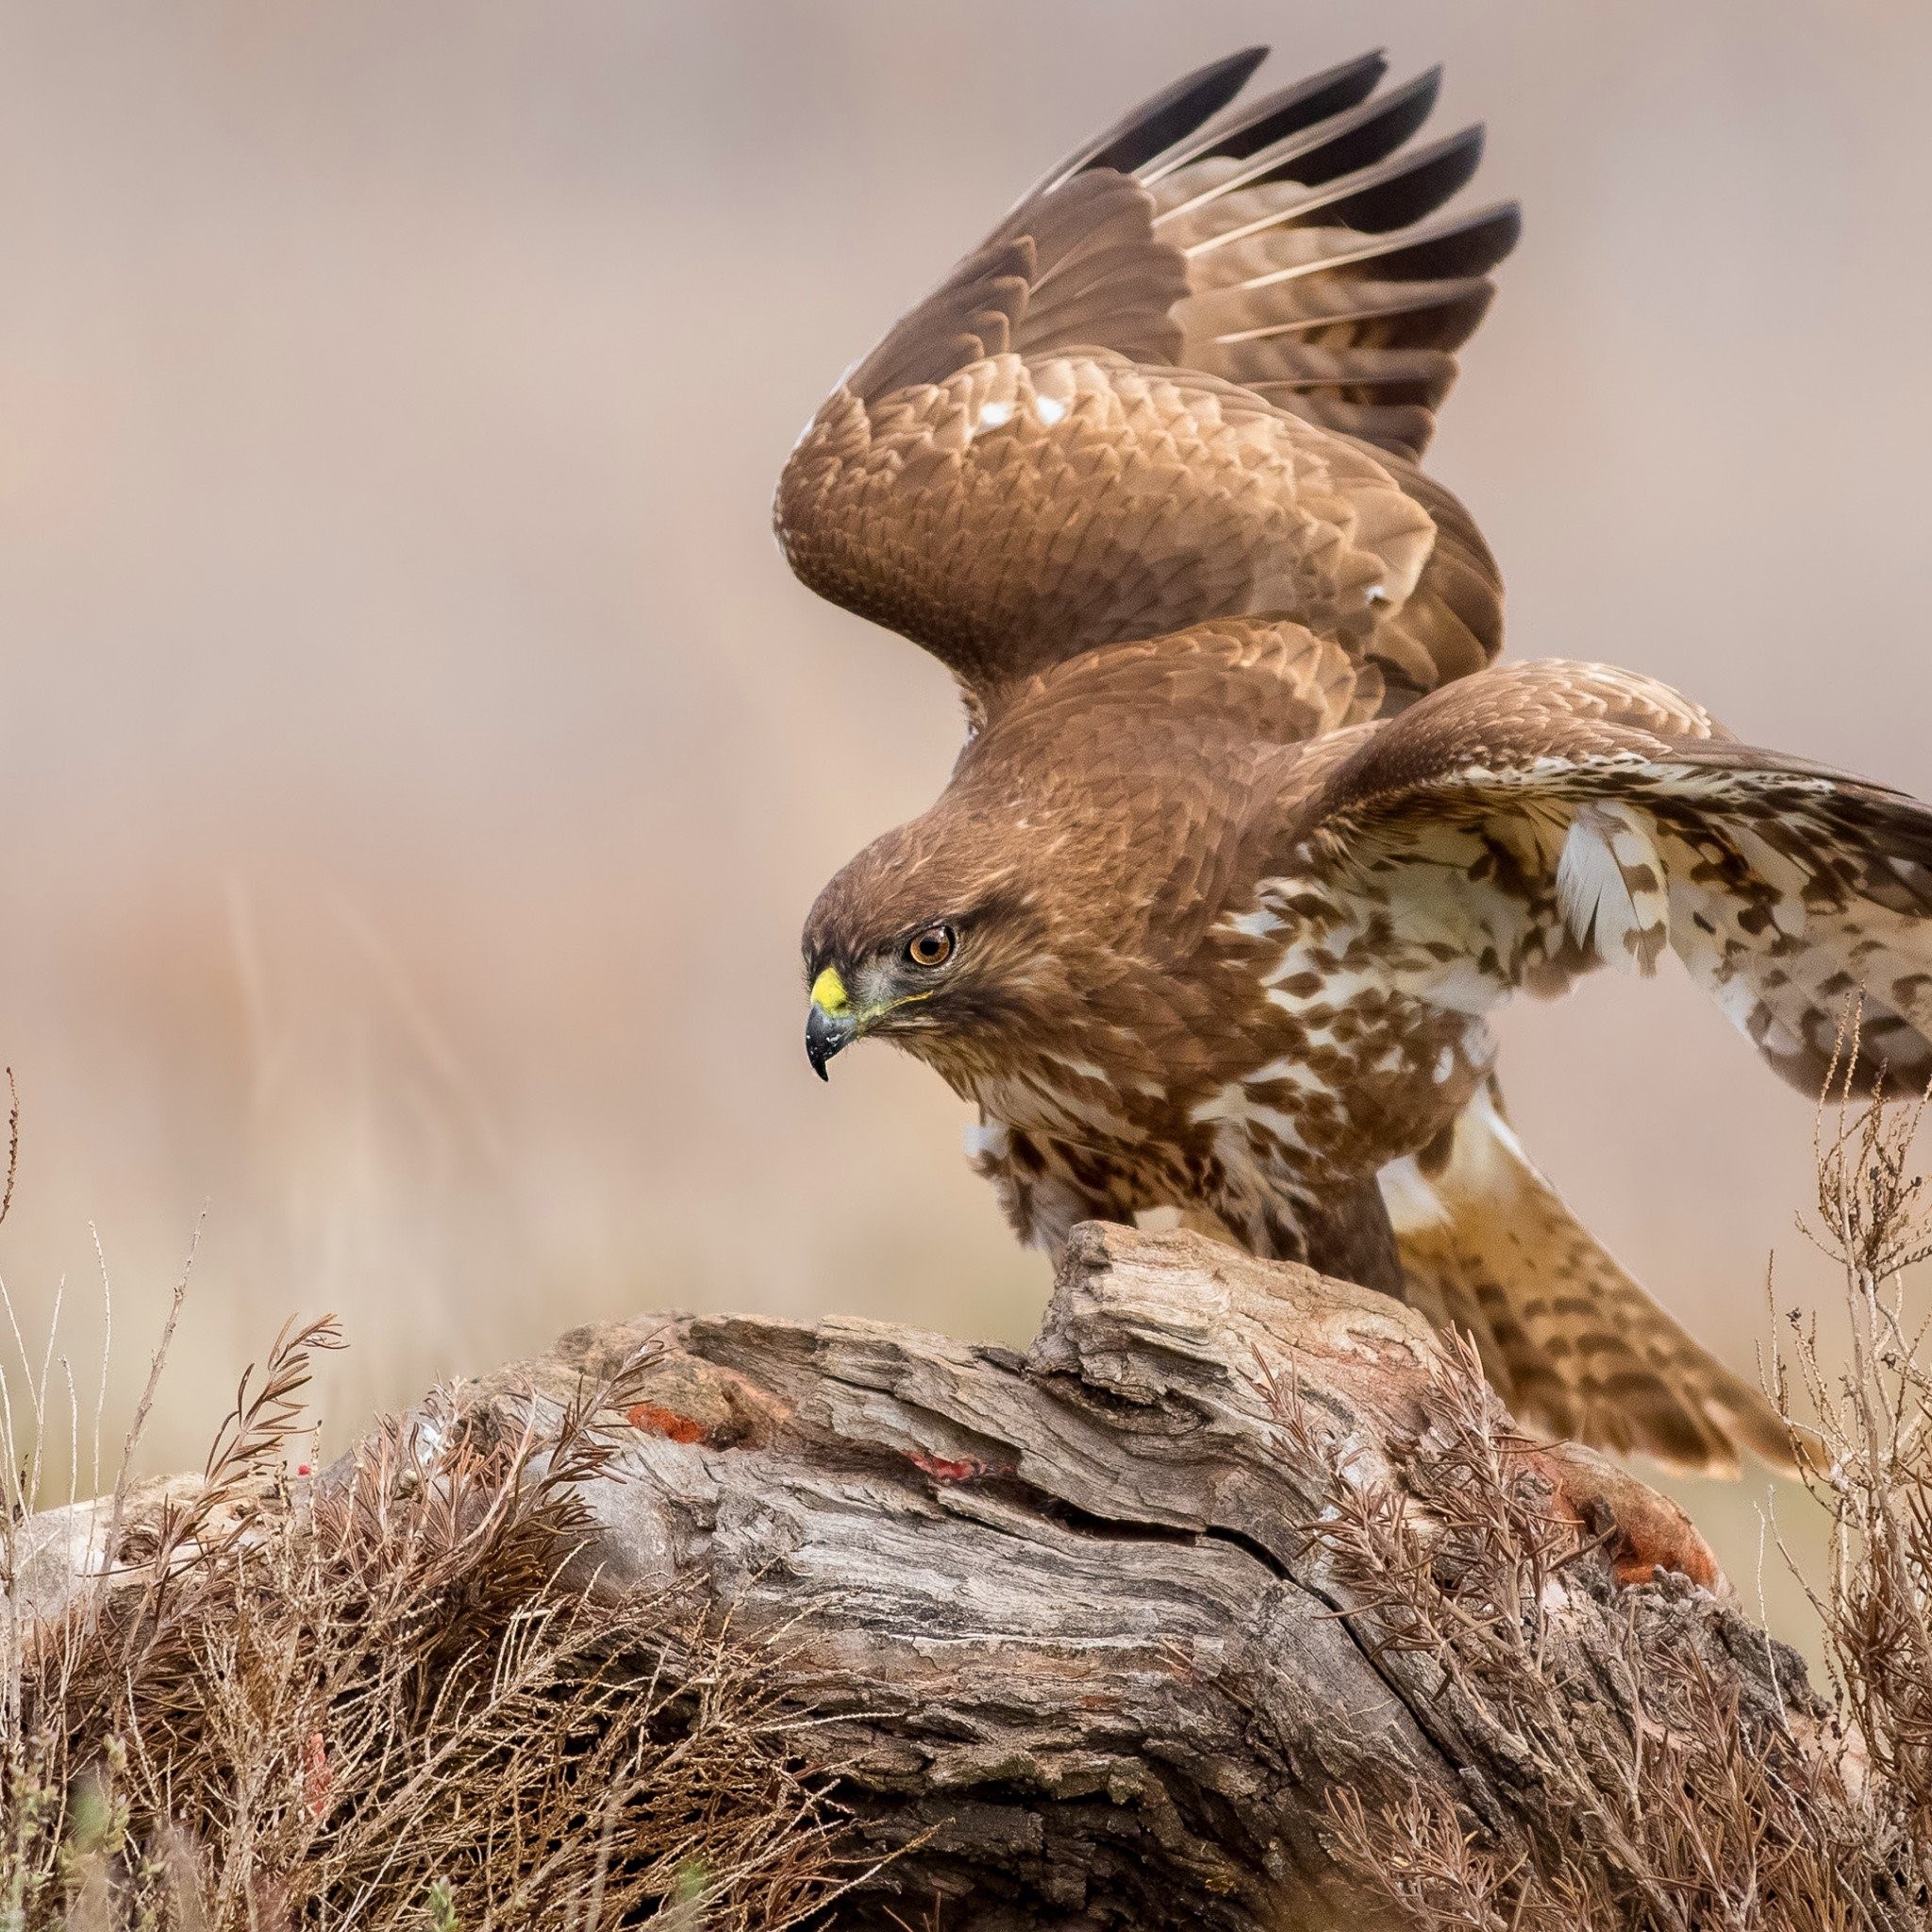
{"x":932,"y":947}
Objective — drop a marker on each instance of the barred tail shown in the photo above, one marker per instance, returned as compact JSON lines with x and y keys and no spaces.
{"x":1567,"y":1337}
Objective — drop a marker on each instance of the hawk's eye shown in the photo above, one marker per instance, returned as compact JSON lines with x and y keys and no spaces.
{"x":930,"y":948}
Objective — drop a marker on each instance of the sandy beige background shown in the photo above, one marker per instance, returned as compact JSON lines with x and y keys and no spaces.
{"x":415,"y":761}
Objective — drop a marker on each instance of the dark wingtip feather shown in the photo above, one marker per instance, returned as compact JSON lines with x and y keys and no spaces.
{"x":1470,"y":246}
{"x":1164,"y":118}
{"x":1417,"y":187}
{"x":1390,"y":122}
{"x":1287,"y":111}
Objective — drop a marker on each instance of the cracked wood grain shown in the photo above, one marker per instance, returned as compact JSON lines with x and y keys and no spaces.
{"x":1059,"y":1611}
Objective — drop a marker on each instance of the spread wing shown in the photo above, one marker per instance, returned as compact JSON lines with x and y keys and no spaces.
{"x":1186,"y":379}
{"x":1543,"y":818}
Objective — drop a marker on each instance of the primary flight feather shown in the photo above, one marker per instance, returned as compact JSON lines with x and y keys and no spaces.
{"x":1251,"y":833}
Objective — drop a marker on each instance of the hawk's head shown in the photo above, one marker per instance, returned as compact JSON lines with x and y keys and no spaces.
{"x":933,"y":937}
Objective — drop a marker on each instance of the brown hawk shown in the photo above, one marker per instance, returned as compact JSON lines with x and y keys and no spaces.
{"x":1250,"y":834}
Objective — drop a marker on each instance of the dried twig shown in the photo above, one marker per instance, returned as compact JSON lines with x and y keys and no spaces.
{"x":157,"y":1361}
{"x":13,"y":1143}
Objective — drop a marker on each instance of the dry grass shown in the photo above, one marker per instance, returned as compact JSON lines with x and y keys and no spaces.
{"x":380,"y":1699}
{"x":1673,"y":1805}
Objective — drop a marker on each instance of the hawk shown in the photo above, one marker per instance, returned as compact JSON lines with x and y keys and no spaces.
{"x":1251,"y":834}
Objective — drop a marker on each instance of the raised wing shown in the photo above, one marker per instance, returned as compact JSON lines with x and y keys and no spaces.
{"x":1549,"y":817}
{"x":1184,"y":380}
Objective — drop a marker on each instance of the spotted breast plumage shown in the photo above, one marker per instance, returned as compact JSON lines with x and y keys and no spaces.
{"x":1251,"y":833}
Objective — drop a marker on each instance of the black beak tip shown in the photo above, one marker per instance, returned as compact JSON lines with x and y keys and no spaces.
{"x":824,"y":1034}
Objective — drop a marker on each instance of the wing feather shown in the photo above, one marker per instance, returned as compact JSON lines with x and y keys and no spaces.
{"x":1341,"y":145}
{"x":1144,"y":133}
{"x":1557,"y":816}
{"x":1182,"y":382}
{"x":1249,"y":126}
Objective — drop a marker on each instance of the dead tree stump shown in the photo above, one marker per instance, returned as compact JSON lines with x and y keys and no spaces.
{"x":1070,"y":1639}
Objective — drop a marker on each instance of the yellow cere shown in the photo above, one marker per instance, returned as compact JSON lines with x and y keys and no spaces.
{"x":828,"y":992}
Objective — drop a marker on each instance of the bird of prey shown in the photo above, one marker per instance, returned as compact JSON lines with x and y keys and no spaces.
{"x":1251,"y":834}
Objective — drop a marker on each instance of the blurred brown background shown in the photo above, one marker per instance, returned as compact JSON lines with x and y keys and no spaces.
{"x":415,"y":761}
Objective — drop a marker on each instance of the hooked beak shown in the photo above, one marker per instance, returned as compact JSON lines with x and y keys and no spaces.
{"x":831,"y":1023}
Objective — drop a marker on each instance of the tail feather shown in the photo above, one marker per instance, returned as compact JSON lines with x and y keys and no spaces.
{"x":1566,"y":1336}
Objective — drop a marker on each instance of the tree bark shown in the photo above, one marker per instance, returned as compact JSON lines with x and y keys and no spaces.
{"x":1075,"y":1650}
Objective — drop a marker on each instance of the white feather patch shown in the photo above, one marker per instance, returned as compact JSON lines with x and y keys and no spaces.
{"x":1483,"y":1151}
{"x":1413,"y":1202}
{"x":987,"y":1139}
{"x":1611,"y":887}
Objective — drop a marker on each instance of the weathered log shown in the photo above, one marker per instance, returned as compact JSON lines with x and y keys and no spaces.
{"x":1078,"y":1653}
{"x":1075,"y":1632}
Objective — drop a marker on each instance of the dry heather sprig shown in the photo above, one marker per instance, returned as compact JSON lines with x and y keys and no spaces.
{"x":1868,"y":1456}
{"x":380,"y":1700}
{"x":1641,"y":1793}
{"x":1646,"y":1797}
